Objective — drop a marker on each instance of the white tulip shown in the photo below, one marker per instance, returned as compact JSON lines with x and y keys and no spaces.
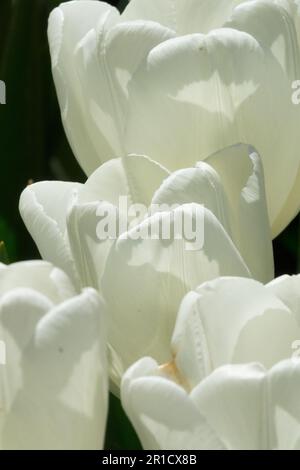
{"x":237,"y":407}
{"x":240,"y":321}
{"x":53,"y":386}
{"x":212,"y":395}
{"x":162,"y":81}
{"x":144,"y":280}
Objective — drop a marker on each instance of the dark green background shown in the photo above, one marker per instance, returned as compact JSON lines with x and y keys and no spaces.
{"x":33,"y":147}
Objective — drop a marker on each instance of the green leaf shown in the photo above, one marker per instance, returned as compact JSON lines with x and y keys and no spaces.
{"x":31,"y":133}
{"x":120,"y":434}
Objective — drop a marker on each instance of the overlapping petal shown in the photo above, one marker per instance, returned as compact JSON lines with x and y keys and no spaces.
{"x":53,"y":388}
{"x":183,"y":16}
{"x":161,"y":80}
{"x":237,"y":407}
{"x":146,"y":277}
{"x":162,"y":413}
{"x":225,"y":88}
{"x":69,"y":25}
{"x":230,"y":320}
{"x":43,"y":207}
{"x":230,"y":183}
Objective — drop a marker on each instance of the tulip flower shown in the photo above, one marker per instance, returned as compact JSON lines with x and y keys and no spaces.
{"x":180,"y":80}
{"x":232,"y":382}
{"x":143,"y":279}
{"x":53,"y":392}
{"x":237,"y":407}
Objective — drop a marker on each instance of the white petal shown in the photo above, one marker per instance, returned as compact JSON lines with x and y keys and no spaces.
{"x":113,"y":188}
{"x":28,"y":290}
{"x":93,"y":89}
{"x":69,"y":25}
{"x":124,"y":177}
{"x":276,"y":25}
{"x":242,"y":175}
{"x":284,"y":388}
{"x":62,"y":403}
{"x":248,"y":313}
{"x":39,"y":276}
{"x":126,"y":46}
{"x":20,"y":311}
{"x":287,"y":289}
{"x":230,"y":183}
{"x":145,"y":279}
{"x":89,"y":249}
{"x":162,"y":413}
{"x":227,"y":85}
{"x":251,"y":408}
{"x":201,"y":185}
{"x":231,"y":399}
{"x":184,"y":16}
{"x":43,"y":207}
{"x":245,"y":406}
{"x":293,"y":8}
{"x":273,"y":26}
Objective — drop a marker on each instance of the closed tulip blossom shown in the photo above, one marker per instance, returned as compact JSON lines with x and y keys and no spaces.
{"x":143,"y":279}
{"x":53,"y":385}
{"x":232,"y":382}
{"x":180,"y":80}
